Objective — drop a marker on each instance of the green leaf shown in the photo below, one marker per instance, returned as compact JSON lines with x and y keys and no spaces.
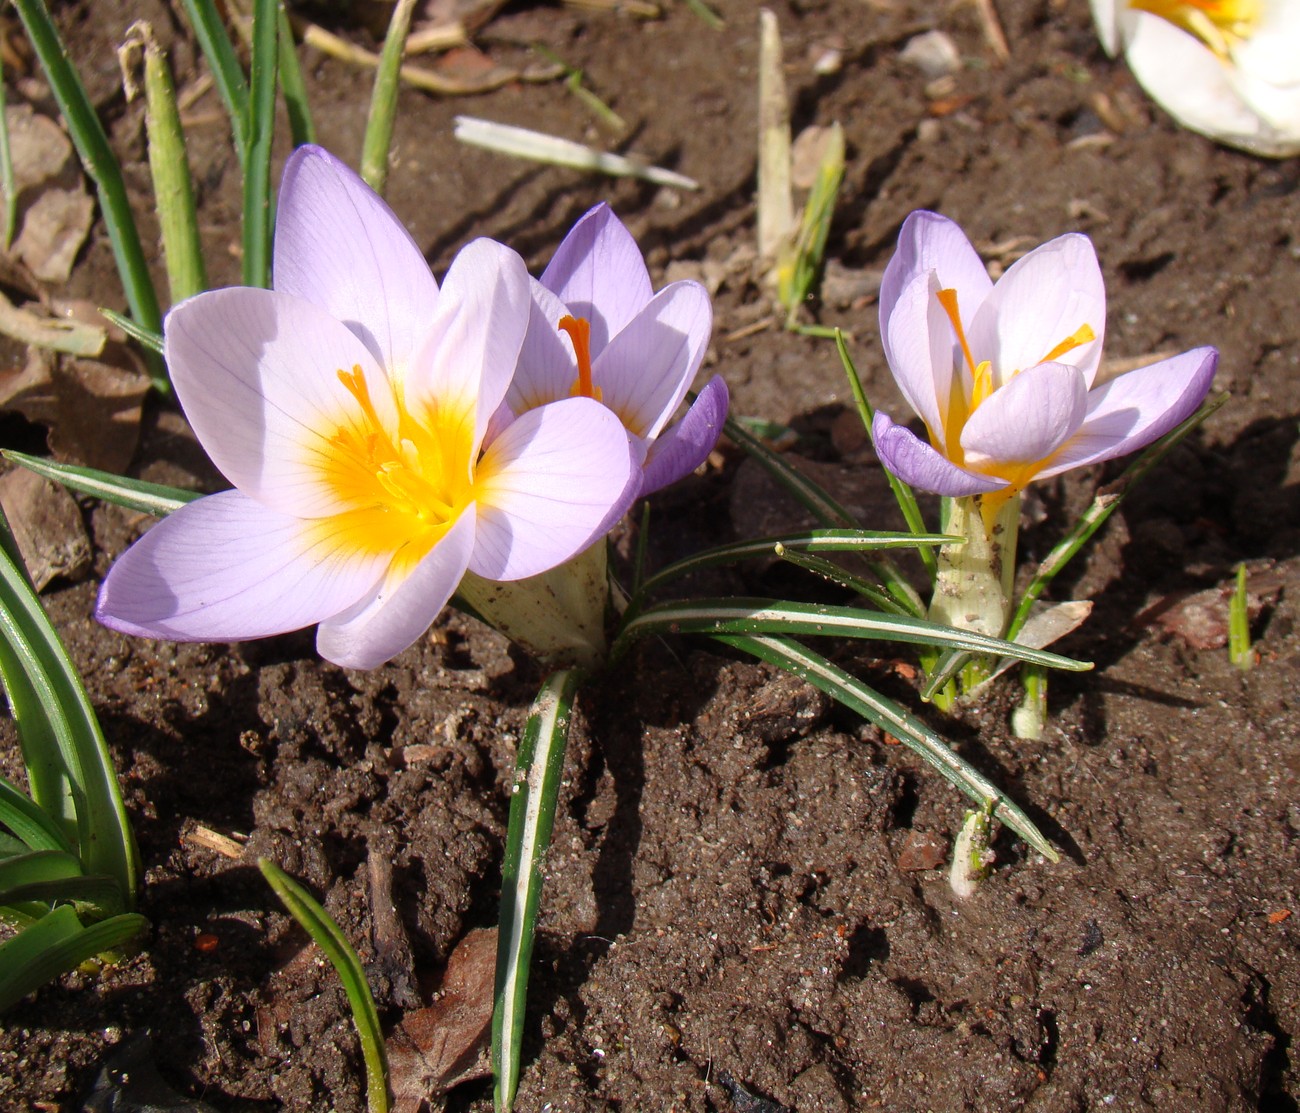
{"x":810,"y":495}
{"x":535,"y":791}
{"x":261,"y":132}
{"x":292,"y":86}
{"x":205,"y":21}
{"x":304,"y":908}
{"x":135,"y":494}
{"x":801,"y":264}
{"x":378,"y":140}
{"x":34,"y":828}
{"x":888,"y":716}
{"x":68,"y":764}
{"x":150,"y":339}
{"x":102,"y":167}
{"x":8,"y":183}
{"x":775,"y":616}
{"x":55,"y":944}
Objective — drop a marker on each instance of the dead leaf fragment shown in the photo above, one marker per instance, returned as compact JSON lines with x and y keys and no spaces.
{"x":54,"y":228}
{"x":47,"y":526}
{"x":436,"y":1048}
{"x":39,"y":147}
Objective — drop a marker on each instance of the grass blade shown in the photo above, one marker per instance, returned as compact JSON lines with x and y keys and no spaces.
{"x":774,"y":616}
{"x":227,"y":74}
{"x":103,"y":169}
{"x":888,"y":716}
{"x":903,"y":494}
{"x":536,"y":790}
{"x":148,"y":338}
{"x":378,"y":141}
{"x":304,"y":908}
{"x":261,"y":131}
{"x":34,"y":828}
{"x":292,"y":86}
{"x":799,"y":267}
{"x":55,"y":944}
{"x":67,"y":759}
{"x":7,"y":181}
{"x":809,"y":495}
{"x":135,"y":494}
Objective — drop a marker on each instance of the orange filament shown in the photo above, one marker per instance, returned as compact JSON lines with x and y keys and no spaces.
{"x":948,"y":299}
{"x":1082,"y":335}
{"x":579,"y":330}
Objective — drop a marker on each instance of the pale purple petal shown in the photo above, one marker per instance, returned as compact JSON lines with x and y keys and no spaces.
{"x":548,"y":367}
{"x":1027,"y":420}
{"x":338,"y":245}
{"x":1043,"y":299}
{"x":920,"y":466}
{"x":550,"y":485}
{"x":380,"y":626}
{"x":683,"y":447}
{"x":1133,"y":410}
{"x":646,"y":370}
{"x":919,"y":346}
{"x":930,"y":242}
{"x":257,"y":373}
{"x":472,"y":344}
{"x":598,"y":272}
{"x":225,"y":568}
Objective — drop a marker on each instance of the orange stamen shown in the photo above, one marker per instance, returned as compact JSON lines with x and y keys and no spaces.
{"x":579,"y":330}
{"x":948,"y":299}
{"x":1082,"y":335}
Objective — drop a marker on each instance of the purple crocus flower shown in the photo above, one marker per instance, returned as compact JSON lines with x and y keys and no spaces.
{"x":348,"y":406}
{"x":1004,"y":374}
{"x":597,"y":329}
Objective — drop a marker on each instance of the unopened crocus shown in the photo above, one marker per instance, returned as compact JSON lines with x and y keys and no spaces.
{"x":349,"y":408}
{"x":1229,"y":69}
{"x":1005,"y":377}
{"x":598,"y":330}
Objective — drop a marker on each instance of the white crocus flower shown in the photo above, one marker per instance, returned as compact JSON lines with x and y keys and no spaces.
{"x":1229,"y":69}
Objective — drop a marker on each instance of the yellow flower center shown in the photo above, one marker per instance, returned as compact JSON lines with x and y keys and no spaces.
{"x":982,"y":385}
{"x":1219,"y":24}
{"x":404,"y":487}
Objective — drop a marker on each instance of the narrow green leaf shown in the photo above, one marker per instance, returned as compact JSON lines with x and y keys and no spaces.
{"x":809,"y":494}
{"x":261,"y":131}
{"x":1239,"y":651}
{"x":34,"y":827}
{"x":135,"y":494}
{"x":888,"y":716}
{"x":903,"y":494}
{"x":775,"y":616}
{"x":169,"y":165}
{"x":148,"y":338}
{"x":7,"y":181}
{"x":701,"y":9}
{"x":55,"y":944}
{"x":1103,"y":505}
{"x":378,"y":140}
{"x":292,"y":86}
{"x":536,"y":789}
{"x":60,"y":737}
{"x":102,"y":167}
{"x":837,"y":574}
{"x":304,"y":908}
{"x":799,"y":267}
{"x":205,"y":20}
{"x":93,"y":895}
{"x":38,"y":867}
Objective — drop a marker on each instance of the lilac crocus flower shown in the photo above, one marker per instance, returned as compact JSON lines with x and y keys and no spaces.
{"x":597,"y":329}
{"x":348,"y":406}
{"x":1005,"y":375}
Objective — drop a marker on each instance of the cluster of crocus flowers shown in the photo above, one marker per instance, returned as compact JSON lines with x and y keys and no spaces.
{"x":1229,"y":69}
{"x":1006,"y":378}
{"x":360,"y":412}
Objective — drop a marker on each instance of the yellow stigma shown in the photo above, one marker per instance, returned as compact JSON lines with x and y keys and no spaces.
{"x":579,"y":330}
{"x":404,"y":484}
{"x":1219,"y":24}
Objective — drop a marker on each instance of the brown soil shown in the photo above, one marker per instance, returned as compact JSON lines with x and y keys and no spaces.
{"x":725,"y":897}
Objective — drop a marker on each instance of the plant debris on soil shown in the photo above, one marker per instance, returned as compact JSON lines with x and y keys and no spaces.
{"x":746,"y":905}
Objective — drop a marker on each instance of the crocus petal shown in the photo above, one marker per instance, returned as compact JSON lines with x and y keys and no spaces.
{"x":598,"y":272}
{"x":257,"y":374}
{"x":225,"y":568}
{"x":646,"y":370}
{"x":1027,"y":420}
{"x":379,"y":627}
{"x":337,"y":244}
{"x":548,"y":367}
{"x":920,"y":466}
{"x":930,"y":242}
{"x":552,"y":482}
{"x":685,"y":446}
{"x":472,"y":343}
{"x":919,"y":346}
{"x":1135,"y":409}
{"x":1106,"y":15}
{"x":1042,"y":300}
{"x":1270,"y":53}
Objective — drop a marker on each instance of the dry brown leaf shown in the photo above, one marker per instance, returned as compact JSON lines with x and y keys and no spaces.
{"x":47,"y":526}
{"x":39,"y":147}
{"x":55,"y":226}
{"x":434,"y":1049}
